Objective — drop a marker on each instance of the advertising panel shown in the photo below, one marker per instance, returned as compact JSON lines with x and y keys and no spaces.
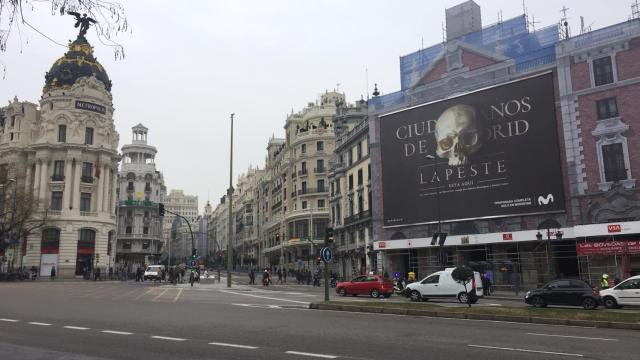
{"x":47,"y":261}
{"x":490,"y":153}
{"x":607,"y":248}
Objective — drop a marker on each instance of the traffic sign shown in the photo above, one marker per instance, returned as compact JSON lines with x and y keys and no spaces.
{"x":193,"y":263}
{"x":326,"y":254}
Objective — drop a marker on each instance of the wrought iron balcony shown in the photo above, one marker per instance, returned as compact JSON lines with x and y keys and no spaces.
{"x":57,"y":177}
{"x":86,"y":179}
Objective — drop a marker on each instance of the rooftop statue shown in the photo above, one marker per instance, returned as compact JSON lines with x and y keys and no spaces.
{"x":82,"y":21}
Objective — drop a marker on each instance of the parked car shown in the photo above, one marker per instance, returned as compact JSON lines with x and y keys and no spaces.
{"x":565,"y":292}
{"x":372,"y":285}
{"x":625,"y":293}
{"x":154,"y":272}
{"x":440,"y":284}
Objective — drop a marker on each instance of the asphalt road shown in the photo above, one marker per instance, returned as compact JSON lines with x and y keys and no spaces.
{"x":113,"y":320}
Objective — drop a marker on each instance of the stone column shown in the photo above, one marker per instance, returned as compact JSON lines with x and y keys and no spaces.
{"x":113,"y":191}
{"x":105,"y":190}
{"x":36,"y":180}
{"x":44,"y":175}
{"x":27,"y":178}
{"x":76,"y":185}
{"x":68,"y":180}
{"x":100,"y":190}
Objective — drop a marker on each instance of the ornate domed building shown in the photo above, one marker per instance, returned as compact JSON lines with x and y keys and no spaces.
{"x":64,"y":156}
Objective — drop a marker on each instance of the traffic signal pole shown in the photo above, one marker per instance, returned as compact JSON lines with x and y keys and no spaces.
{"x":193,"y":241}
{"x":230,"y":202}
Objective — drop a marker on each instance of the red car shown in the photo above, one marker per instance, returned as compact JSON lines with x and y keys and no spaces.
{"x":373,"y":285}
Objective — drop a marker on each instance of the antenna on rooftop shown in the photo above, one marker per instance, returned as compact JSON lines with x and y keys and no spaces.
{"x":584,"y":29}
{"x":563,"y":26}
{"x":444,"y":33}
{"x":366,"y":72}
{"x":635,"y":10}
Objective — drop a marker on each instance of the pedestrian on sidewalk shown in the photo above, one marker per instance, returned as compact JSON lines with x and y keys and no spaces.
{"x":280,"y":276}
{"x":53,"y":272}
{"x":252,"y":277}
{"x":97,"y":274}
{"x":284,"y":276}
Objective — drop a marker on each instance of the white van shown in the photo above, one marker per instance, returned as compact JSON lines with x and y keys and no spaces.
{"x":154,"y":272}
{"x":441,"y":285}
{"x":625,"y":293}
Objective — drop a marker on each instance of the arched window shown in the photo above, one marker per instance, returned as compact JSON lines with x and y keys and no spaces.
{"x":87,"y":241}
{"x":50,"y":243}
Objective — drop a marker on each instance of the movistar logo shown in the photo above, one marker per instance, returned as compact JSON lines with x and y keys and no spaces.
{"x":545,"y":200}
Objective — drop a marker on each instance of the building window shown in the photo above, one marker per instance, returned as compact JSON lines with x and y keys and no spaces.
{"x":320,"y":145}
{"x":351,"y":207}
{"x":320,"y":166}
{"x":126,"y":245}
{"x":58,"y":170}
{"x":85,"y":201}
{"x":360,"y":177}
{"x":87,"y":239}
{"x":50,"y":242}
{"x":304,"y":187}
{"x":127,"y":230}
{"x":304,"y":205}
{"x":56,"y":200}
{"x":321,"y":204}
{"x":360,"y":203}
{"x":602,"y":71}
{"x":303,"y":148}
{"x":88,"y":136}
{"x":359,"y":150}
{"x":320,"y":184}
{"x":607,"y":108}
{"x":145,"y":230}
{"x":130,"y":186}
{"x":87,"y":171}
{"x":614,"y":165}
{"x":351,"y":182}
{"x":62,"y":133}
{"x":350,"y":156}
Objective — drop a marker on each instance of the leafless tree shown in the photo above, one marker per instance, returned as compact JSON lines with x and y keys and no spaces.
{"x":20,"y":213}
{"x":15,"y":16}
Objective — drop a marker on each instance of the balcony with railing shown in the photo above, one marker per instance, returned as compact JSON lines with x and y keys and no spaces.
{"x":88,"y":213}
{"x":303,"y":172}
{"x":147,"y":189}
{"x":361,"y":127}
{"x":276,"y":205}
{"x":320,"y":170}
{"x":86,"y":179}
{"x":311,"y":191}
{"x":57,"y":177}
{"x":361,"y":216}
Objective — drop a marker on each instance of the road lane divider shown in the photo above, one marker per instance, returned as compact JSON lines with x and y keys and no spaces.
{"x":39,"y":323}
{"x":525,"y":350}
{"x":234,"y":345}
{"x":323,"y":356}
{"x":114,"y":332}
{"x":168,"y":338}
{"x":572,"y":337}
{"x":264,"y":297}
{"x":76,"y":327}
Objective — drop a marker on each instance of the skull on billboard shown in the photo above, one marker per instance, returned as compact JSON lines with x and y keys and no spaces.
{"x":457,"y":134}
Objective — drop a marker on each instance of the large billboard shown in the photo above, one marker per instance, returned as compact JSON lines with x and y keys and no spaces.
{"x":490,"y":153}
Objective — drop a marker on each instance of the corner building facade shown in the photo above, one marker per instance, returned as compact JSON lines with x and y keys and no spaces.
{"x":595,"y":223}
{"x":64,"y":154}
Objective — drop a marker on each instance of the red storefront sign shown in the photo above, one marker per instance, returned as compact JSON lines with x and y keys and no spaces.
{"x":608,"y":247}
{"x":614,"y":228}
{"x":381,"y":244}
{"x":507,"y":236}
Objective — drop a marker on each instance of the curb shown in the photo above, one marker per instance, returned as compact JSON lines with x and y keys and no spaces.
{"x":487,"y":317}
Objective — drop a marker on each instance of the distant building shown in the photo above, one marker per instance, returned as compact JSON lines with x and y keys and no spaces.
{"x":140,"y":190}
{"x":184,"y":205}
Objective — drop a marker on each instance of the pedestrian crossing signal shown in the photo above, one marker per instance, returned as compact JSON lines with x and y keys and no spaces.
{"x":161,"y":209}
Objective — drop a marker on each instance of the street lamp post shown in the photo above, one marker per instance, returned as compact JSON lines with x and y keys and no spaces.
{"x":230,"y":198}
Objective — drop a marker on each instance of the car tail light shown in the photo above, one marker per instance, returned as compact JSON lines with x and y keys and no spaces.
{"x":595,"y":292}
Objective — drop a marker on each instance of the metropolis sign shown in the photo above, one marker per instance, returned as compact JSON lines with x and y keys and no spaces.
{"x":83,"y":105}
{"x":490,"y":153}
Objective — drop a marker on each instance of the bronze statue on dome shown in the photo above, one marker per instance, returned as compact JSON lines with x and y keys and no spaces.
{"x":82,"y":21}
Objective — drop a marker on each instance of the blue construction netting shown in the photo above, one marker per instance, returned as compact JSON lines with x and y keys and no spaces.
{"x":510,"y":38}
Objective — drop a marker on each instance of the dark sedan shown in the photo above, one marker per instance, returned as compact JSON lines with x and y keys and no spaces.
{"x":565,"y":292}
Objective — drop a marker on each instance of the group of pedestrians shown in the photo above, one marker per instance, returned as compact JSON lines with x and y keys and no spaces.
{"x":302,"y":276}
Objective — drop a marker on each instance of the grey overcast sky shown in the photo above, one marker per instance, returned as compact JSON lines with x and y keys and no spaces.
{"x":189,"y":64}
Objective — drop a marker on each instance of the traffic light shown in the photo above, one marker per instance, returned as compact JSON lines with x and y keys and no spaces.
{"x":194,"y":253}
{"x":278,"y":238}
{"x":160,"y":209}
{"x":318,"y":260}
{"x":329,"y":235}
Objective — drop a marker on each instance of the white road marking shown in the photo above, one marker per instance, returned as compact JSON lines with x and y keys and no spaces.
{"x":143,"y":294}
{"x":159,"y":295}
{"x":264,"y":297}
{"x":177,"y":295}
{"x":9,"y":320}
{"x":39,"y":323}
{"x":76,"y":327}
{"x":573,"y":337}
{"x":233,"y":345}
{"x":525,"y":350}
{"x":262,"y":306}
{"x":116,"y":332}
{"x":311,"y":354}
{"x":168,"y":338}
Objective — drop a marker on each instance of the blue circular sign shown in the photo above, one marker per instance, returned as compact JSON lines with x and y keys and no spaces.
{"x":193,"y":263}
{"x":326,"y":254}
